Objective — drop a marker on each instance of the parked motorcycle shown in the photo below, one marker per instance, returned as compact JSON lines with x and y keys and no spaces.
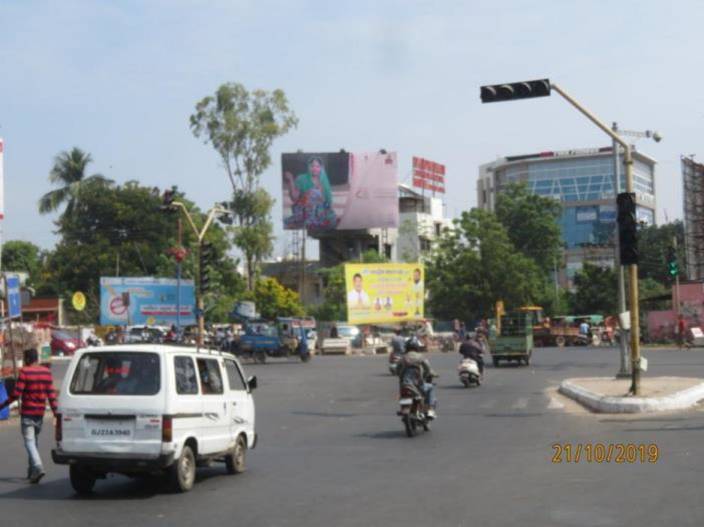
{"x":413,"y":410}
{"x":468,"y":371}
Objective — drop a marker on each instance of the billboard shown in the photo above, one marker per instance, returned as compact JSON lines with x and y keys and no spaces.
{"x":145,"y":301}
{"x":428,"y":175}
{"x":339,"y":191}
{"x":384,"y":293}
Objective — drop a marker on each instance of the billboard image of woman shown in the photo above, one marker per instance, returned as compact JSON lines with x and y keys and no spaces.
{"x":311,"y":198}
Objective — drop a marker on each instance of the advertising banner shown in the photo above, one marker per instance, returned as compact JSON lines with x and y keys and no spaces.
{"x":339,"y":191}
{"x":145,"y":301}
{"x":384,"y":293}
{"x":428,"y":175}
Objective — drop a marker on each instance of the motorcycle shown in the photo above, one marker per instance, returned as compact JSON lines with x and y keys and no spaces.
{"x":413,"y":410}
{"x":468,"y":371}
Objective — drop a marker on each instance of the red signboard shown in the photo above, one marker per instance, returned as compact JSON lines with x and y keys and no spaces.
{"x":428,"y":175}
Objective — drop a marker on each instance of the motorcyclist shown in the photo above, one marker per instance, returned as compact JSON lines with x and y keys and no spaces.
{"x":414,"y":363}
{"x":398,"y":343}
{"x":471,"y":348}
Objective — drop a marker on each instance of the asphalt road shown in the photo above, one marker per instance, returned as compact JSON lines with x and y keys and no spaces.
{"x":333,"y":452}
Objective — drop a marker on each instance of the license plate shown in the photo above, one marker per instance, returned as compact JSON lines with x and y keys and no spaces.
{"x":405,"y":402}
{"x":113,"y":430}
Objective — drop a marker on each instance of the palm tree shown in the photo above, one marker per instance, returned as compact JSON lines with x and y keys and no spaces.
{"x":69,"y":171}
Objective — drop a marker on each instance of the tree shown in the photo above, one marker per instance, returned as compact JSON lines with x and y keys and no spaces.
{"x":241,"y":126}
{"x":595,"y":291}
{"x":531,"y":222}
{"x":654,"y":242}
{"x":274,"y":300}
{"x":121,"y":231}
{"x":69,"y":171}
{"x":475,"y":265}
{"x":23,"y":256}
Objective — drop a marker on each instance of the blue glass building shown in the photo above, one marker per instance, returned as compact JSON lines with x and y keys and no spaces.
{"x":583,"y":182}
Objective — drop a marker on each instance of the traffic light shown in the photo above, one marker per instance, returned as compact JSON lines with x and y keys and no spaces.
{"x":515,"y":90}
{"x":206,"y":256}
{"x":167,"y":201}
{"x":627,"y":228}
{"x":673,"y":266}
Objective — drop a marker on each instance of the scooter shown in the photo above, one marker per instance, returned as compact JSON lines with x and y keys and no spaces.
{"x":468,"y":371}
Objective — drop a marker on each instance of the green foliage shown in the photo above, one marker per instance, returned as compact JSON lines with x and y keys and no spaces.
{"x":531,"y":222}
{"x":120,"y":231}
{"x":654,"y":242}
{"x":241,"y":126}
{"x":274,"y":300}
{"x":22,"y":256}
{"x":475,"y":265}
{"x":69,"y":172}
{"x":596,"y":291}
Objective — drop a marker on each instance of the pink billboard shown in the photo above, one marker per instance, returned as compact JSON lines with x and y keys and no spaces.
{"x":340,"y":191}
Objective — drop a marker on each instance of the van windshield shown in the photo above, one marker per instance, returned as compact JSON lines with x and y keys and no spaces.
{"x":117,"y":373}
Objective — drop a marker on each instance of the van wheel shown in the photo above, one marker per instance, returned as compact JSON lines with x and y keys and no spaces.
{"x":234,"y":461}
{"x":82,"y":479}
{"x":183,"y":473}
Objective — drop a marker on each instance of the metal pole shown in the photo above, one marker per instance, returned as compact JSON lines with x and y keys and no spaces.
{"x":632,"y":268}
{"x":677,"y":284}
{"x":178,"y":281}
{"x":623,"y":371}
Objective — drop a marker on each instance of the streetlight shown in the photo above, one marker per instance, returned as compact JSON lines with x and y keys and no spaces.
{"x":655,"y":136}
{"x":626,"y":201}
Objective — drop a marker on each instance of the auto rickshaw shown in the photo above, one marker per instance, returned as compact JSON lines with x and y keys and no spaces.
{"x":514,"y":340}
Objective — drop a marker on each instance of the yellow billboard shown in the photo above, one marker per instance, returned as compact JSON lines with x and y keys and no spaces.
{"x":384,"y":293}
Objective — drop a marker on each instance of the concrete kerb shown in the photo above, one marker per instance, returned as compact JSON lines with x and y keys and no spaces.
{"x":596,"y":402}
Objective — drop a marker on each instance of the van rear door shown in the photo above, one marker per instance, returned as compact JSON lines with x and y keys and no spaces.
{"x":113,"y":403}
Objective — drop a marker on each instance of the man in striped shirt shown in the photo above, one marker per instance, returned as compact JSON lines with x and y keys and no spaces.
{"x":34,"y":386}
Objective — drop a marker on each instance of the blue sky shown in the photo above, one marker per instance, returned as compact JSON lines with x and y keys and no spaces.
{"x":120,"y":79}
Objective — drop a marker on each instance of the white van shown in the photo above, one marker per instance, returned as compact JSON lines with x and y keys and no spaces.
{"x":139,"y":409}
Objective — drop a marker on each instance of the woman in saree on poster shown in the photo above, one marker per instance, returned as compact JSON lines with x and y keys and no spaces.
{"x":312,"y":199}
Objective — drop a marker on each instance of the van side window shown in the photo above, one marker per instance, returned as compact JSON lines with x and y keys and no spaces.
{"x":186,"y":381}
{"x":210,"y":376}
{"x":233,"y":376}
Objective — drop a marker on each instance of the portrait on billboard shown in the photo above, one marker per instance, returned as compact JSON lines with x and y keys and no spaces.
{"x":339,"y":191}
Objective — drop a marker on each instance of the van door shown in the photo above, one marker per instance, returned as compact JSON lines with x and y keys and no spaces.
{"x":216,"y":430}
{"x":187,"y":408}
{"x":240,"y":401}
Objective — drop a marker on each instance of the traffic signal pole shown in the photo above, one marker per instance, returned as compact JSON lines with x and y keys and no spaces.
{"x":632,"y":268}
{"x":542,"y":88}
{"x":200,"y":236}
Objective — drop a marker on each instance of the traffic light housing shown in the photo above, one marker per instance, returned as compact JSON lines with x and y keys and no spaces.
{"x":673,"y":266}
{"x":515,"y":90}
{"x":627,"y":228}
{"x":206,"y":257}
{"x":167,"y":201}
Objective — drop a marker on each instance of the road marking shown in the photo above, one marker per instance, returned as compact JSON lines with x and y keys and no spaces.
{"x":520,"y":404}
{"x":488,"y":404}
{"x":555,"y":404}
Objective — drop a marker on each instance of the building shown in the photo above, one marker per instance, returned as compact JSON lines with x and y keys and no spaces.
{"x":583,"y":181}
{"x":693,"y":197}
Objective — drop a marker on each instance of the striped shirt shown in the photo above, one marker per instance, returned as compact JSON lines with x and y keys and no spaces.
{"x":34,"y":386}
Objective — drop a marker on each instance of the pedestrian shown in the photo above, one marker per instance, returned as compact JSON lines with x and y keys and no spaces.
{"x":681,"y":332}
{"x":334,"y":334}
{"x":34,"y":387}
